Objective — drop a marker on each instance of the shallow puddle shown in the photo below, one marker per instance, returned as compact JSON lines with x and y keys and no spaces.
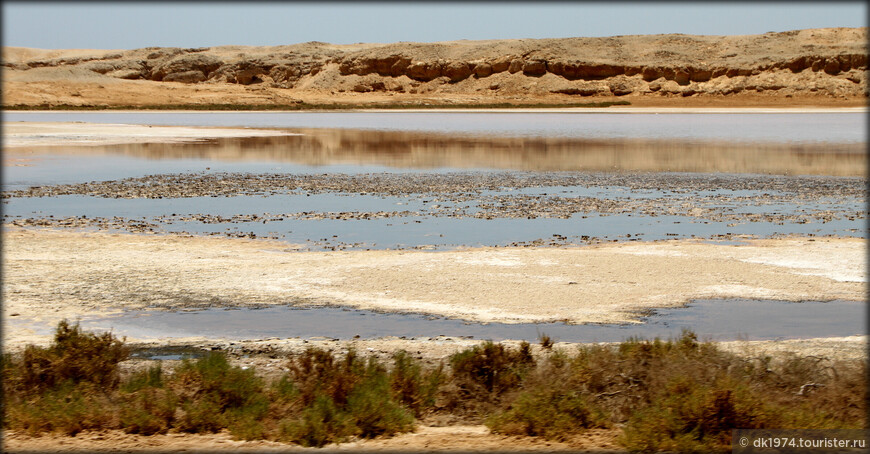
{"x":722,"y":319}
{"x":167,"y":353}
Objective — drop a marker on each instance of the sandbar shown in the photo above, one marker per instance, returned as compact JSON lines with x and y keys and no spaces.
{"x":30,"y":134}
{"x":55,"y":274}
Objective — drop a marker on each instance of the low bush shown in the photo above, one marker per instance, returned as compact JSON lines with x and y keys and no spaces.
{"x":66,"y":409}
{"x":316,"y":372}
{"x":546,"y":341}
{"x":412,"y":386}
{"x":213,"y":393}
{"x":201,"y":415}
{"x":373,"y":408}
{"x":148,"y":410}
{"x":491,"y":369}
{"x":320,"y":423}
{"x":549,"y":413}
{"x":678,"y":395}
{"x":74,"y":356}
{"x":151,"y":377}
{"x":65,"y":387}
{"x":690,"y":416}
{"x":349,"y":396}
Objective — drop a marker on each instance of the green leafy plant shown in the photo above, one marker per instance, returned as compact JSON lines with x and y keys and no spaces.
{"x":491,"y":368}
{"x":74,"y":356}
{"x":213,"y":393}
{"x":550,"y":413}
{"x":413,"y":386}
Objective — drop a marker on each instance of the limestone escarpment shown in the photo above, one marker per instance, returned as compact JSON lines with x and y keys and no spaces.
{"x":827,"y":62}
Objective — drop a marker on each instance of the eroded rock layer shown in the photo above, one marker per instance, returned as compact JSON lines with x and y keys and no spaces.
{"x":826,"y":62}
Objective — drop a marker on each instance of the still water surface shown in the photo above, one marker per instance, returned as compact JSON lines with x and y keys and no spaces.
{"x":740,"y":127}
{"x":722,"y":320}
{"x":372,"y":142}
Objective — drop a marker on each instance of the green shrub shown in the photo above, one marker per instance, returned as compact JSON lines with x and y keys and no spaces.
{"x":491,"y":367}
{"x":244,"y":420}
{"x":316,"y":372}
{"x":696,"y":417}
{"x":151,"y":377}
{"x":247,"y":424}
{"x":148,"y":410}
{"x":549,"y":413}
{"x":215,"y":394}
{"x":843,"y":398}
{"x":321,"y":423}
{"x":285,"y":388}
{"x":65,"y":387}
{"x":372,"y":408}
{"x":678,"y":395}
{"x":66,"y":409}
{"x":212,"y":375}
{"x":546,"y":341}
{"x":414,"y":387}
{"x":350,"y":396}
{"x":201,"y":415}
{"x":74,"y":356}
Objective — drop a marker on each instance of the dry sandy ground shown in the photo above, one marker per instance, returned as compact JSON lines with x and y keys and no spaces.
{"x":822,"y":67}
{"x":425,"y":438}
{"x":110,"y":92}
{"x":50,"y":275}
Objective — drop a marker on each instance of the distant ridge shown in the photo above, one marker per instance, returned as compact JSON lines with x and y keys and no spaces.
{"x":804,"y":64}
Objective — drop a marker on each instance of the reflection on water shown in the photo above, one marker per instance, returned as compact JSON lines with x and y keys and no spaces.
{"x":786,"y":127}
{"x":361,"y":149}
{"x":703,"y":206}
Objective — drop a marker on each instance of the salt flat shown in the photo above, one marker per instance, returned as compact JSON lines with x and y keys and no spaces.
{"x":24,"y":134}
{"x":53,"y":274}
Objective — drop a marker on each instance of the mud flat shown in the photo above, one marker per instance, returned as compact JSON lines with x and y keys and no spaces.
{"x":30,"y":134}
{"x":49,"y":275}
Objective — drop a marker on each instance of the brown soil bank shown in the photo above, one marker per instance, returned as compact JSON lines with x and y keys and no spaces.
{"x":801,"y":67}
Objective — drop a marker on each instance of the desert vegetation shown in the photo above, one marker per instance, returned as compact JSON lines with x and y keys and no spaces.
{"x":679,"y":395}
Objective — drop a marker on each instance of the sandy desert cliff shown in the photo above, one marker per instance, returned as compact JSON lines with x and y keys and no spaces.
{"x":812,"y":66}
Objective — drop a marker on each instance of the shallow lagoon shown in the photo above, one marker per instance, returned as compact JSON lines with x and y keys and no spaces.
{"x":733,"y":146}
{"x":720,"y":320}
{"x":735,"y":127}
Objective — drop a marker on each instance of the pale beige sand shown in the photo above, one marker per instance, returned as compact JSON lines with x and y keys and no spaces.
{"x":50,"y":275}
{"x":426,"y":438}
{"x":54,"y":274}
{"x":351,"y":73}
{"x":25,"y":134}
